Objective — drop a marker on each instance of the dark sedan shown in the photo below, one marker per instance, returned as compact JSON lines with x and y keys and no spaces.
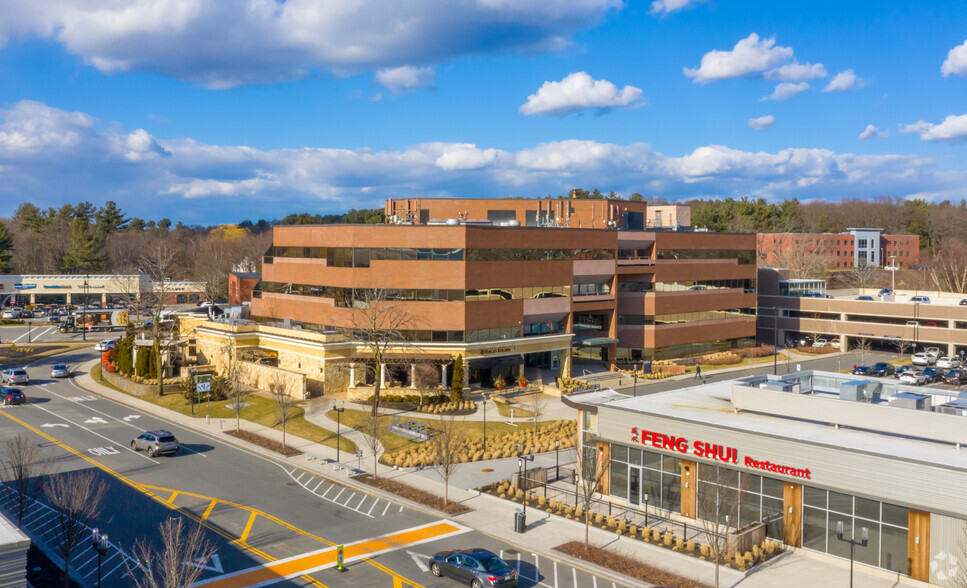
{"x":476,"y":567}
{"x":861,"y":370}
{"x":933,"y":374}
{"x":13,"y":396}
{"x":882,"y":370}
{"x":955,"y":377}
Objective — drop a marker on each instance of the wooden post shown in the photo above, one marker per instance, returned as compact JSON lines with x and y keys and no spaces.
{"x":689,"y":487}
{"x":792,"y":514}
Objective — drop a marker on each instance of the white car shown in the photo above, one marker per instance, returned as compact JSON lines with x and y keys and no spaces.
{"x":948,"y":363}
{"x":913,"y":378}
{"x":105,"y":345}
{"x":10,"y":314}
{"x":934,"y":351}
{"x":821,"y":343}
{"x":922,"y":358}
{"x":835,"y":344}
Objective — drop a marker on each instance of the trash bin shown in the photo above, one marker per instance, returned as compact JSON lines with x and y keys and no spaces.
{"x":520,"y":525}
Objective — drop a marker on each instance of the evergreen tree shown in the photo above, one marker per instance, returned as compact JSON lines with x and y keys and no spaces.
{"x":6,"y":247}
{"x":456,"y":386}
{"x":110,"y":219}
{"x":29,"y":217}
{"x":164,"y":224}
{"x":136,"y":224}
{"x":636,"y":197}
{"x":84,"y":211}
{"x":84,"y":253}
{"x":142,"y":362}
{"x":153,"y":362}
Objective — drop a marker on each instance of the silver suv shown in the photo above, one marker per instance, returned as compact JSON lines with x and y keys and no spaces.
{"x":15,"y":376}
{"x":155,"y":443}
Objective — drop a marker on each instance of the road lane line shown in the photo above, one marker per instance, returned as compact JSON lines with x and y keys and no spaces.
{"x":555,"y":574}
{"x":311,"y":562}
{"x":317,"y":486}
{"x":594,"y":581}
{"x":93,"y":432}
{"x":375,"y":502}
{"x":340,"y":494}
{"x":388,"y":504}
{"x":328,"y":490}
{"x":348,"y":499}
{"x":575,"y":575}
{"x":248,"y":527}
{"x":171,"y":499}
{"x":208,"y":511}
{"x":365,"y":496}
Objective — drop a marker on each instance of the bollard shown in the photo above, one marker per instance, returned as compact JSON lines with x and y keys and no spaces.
{"x":339,"y":559}
{"x":220,"y":423}
{"x":208,"y":419}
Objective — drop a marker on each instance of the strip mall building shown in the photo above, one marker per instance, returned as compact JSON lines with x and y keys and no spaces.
{"x":513,"y":283}
{"x":800,"y":453}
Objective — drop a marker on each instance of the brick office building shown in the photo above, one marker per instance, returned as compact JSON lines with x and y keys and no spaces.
{"x":853,"y":248}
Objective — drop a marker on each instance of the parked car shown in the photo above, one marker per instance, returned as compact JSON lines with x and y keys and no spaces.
{"x":920,"y":299}
{"x":10,"y":314}
{"x":934,"y":352}
{"x":869,"y":298}
{"x":804,"y":341}
{"x":884,"y":292}
{"x":882,"y":369}
{"x":955,"y":377}
{"x":922,"y":358}
{"x":913,"y":377}
{"x":60,"y":370}
{"x":963,"y":302}
{"x":903,"y":369}
{"x":155,"y":443}
{"x":54,"y":318}
{"x":475,"y":567}
{"x":106,"y":345}
{"x":13,"y":396}
{"x":861,"y":370}
{"x":835,"y":344}
{"x":933,"y":374}
{"x":15,"y":376}
{"x":948,"y":363}
{"x":820,"y":343}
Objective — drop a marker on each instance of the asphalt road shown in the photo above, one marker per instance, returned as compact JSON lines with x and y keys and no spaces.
{"x":41,"y":331}
{"x":254,"y":509}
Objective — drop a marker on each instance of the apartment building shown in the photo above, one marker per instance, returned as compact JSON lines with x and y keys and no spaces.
{"x":853,"y":248}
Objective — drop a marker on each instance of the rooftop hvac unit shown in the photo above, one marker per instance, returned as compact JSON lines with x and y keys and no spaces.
{"x":453,"y":221}
{"x":912,"y":400}
{"x":859,"y":391}
{"x":955,"y":407}
{"x":781,"y":386}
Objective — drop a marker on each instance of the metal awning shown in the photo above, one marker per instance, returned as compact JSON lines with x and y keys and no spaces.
{"x":592,"y":341}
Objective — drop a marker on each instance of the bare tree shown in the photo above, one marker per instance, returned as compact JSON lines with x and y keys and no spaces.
{"x":901,"y":345}
{"x":232,"y":371}
{"x":948,"y":268}
{"x":379,"y":323}
{"x":24,"y":465}
{"x":279,"y":389}
{"x":537,"y":404}
{"x":446,"y":444}
{"x":864,"y":346}
{"x":810,"y":260}
{"x":76,"y":499}
{"x":862,"y":276}
{"x":374,"y":431}
{"x":592,"y":473}
{"x":718,"y":509}
{"x":171,"y":566}
{"x":159,"y":265}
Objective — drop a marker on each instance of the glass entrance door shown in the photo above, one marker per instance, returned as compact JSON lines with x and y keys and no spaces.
{"x":634,"y":486}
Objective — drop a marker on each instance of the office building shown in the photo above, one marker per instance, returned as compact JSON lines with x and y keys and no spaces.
{"x":854,"y":248}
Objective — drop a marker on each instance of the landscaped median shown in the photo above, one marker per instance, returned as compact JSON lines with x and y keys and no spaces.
{"x":260,"y":410}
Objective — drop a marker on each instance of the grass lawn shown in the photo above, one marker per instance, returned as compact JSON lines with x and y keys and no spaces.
{"x":519,"y":411}
{"x":747,"y":361}
{"x":261,"y":410}
{"x":356,"y":419}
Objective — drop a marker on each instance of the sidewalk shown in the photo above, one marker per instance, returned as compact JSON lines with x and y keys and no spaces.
{"x":494,"y":516}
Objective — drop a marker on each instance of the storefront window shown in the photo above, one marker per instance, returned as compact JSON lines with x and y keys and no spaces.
{"x":644,"y":477}
{"x":744,"y":498}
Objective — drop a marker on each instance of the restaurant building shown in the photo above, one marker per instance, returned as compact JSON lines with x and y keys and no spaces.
{"x":798,"y":453}
{"x":78,"y":289}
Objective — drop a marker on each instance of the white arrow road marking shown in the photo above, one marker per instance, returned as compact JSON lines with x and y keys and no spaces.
{"x":216,"y":564}
{"x":96,"y":420}
{"x":421,"y":561}
{"x":100,"y":451}
{"x":130,"y":418}
{"x":48,"y":425}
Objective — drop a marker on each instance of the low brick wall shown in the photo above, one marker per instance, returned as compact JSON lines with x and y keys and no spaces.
{"x":132,"y":387}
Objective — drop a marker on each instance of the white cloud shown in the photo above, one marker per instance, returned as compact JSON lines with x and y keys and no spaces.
{"x":786,"y":90}
{"x":761,"y":123}
{"x":953,"y":129}
{"x":227,"y":43}
{"x":578,"y":91}
{"x":50,"y":156}
{"x":796,"y":72}
{"x":669,"y":6}
{"x":871,"y":132}
{"x":844,"y":80}
{"x":405,"y":78}
{"x":956,"y":62}
{"x":750,"y":55}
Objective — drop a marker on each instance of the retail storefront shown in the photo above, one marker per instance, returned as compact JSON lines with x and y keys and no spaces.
{"x":801,"y":456}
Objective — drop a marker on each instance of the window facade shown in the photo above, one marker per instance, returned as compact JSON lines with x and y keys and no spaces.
{"x":743,"y":497}
{"x":362,"y":256}
{"x":744,"y":256}
{"x":643,"y":477}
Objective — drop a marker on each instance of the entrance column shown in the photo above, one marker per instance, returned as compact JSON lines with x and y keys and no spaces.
{"x":352,"y":375}
{"x":68,"y":299}
{"x":566,"y":363}
{"x":466,"y":375}
{"x":104,"y":299}
{"x":443,"y":375}
{"x":382,"y":375}
{"x":413,"y":376}
{"x":33,"y":299}
{"x":951,"y":350}
{"x":689,"y":491}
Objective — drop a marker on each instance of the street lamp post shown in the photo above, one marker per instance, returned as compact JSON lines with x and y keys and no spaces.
{"x":84,"y":308}
{"x":485,"y":398}
{"x":100,"y":544}
{"x":635,"y":376}
{"x":645,"y":496}
{"x":522,"y":465}
{"x":864,"y":540}
{"x":557,"y":459}
{"x":338,"y":410}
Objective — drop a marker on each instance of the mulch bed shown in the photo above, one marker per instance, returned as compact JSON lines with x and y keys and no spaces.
{"x":414,"y":494}
{"x":263,"y":442}
{"x":627,"y":566}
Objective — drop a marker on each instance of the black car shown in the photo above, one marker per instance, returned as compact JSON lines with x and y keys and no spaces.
{"x":13,"y":396}
{"x":476,"y":567}
{"x":933,"y":374}
{"x":867,"y":298}
{"x":963,"y":302}
{"x":955,"y":377}
{"x":882,"y":370}
{"x":861,"y":370}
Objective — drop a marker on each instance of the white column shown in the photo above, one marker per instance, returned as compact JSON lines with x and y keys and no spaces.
{"x":382,"y":375}
{"x":466,"y":375}
{"x":413,"y":376}
{"x":443,"y":375}
{"x":352,"y":375}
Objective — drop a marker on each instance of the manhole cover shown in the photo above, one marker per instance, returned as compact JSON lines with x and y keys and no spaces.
{"x":487,"y":470}
{"x":291,"y":483}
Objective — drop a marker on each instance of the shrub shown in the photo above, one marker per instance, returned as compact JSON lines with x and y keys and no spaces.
{"x":456,"y":386}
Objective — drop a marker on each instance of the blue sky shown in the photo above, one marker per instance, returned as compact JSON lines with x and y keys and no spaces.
{"x":220,"y":110}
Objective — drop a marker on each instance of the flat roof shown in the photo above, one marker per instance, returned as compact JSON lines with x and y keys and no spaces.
{"x":711,"y":404}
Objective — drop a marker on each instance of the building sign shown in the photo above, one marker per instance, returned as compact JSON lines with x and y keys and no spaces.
{"x":492,"y":350}
{"x":24,"y":286}
{"x":711,"y":451}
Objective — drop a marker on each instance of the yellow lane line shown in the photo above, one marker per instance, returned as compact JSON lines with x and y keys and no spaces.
{"x":308,"y":563}
{"x":171,"y":499}
{"x":397,"y":583}
{"x":147,"y":492}
{"x":248,"y":527}
{"x":208,"y":511}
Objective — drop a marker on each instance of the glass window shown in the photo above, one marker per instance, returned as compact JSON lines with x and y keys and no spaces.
{"x":895,"y":515}
{"x":814,"y":497}
{"x":840,"y":503}
{"x":893,"y":548}
{"x":619,"y":453}
{"x":772,"y":487}
{"x":671,"y":492}
{"x":867,"y":509}
{"x":619,"y":480}
{"x":649,"y":459}
{"x":814,"y":529}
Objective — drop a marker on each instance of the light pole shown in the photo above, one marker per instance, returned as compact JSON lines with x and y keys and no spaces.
{"x":557,"y":459}
{"x":522,"y":464}
{"x":83,"y":309}
{"x":485,"y":399}
{"x":635,"y":376}
{"x":864,"y":540}
{"x":100,"y":544}
{"x":338,"y":410}
{"x":645,"y":496}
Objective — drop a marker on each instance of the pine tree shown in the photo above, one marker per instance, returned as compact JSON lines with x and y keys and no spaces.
{"x":110,"y":219}
{"x":153,"y":362}
{"x":6,"y":247}
{"x":84,"y":253}
{"x":456,"y":387}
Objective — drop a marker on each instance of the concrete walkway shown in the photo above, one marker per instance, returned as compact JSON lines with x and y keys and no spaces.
{"x":494,"y":516}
